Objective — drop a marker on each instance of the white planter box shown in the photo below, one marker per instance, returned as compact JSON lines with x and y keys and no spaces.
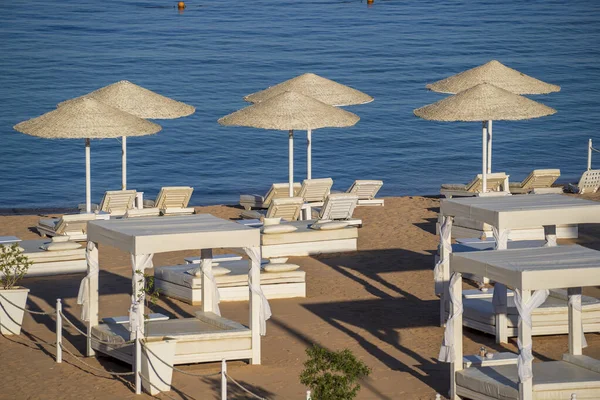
{"x":11,"y":317}
{"x":155,"y":370}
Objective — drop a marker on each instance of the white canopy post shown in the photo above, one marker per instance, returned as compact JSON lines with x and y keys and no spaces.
{"x":210,"y":293}
{"x":526,"y":303}
{"x":124,"y":162}
{"x":489,"y":147}
{"x":88,"y":177}
{"x":576,"y":333}
{"x":452,"y":349}
{"x":309,"y":154}
{"x":441,"y":270}
{"x":260,"y":311}
{"x":484,"y":157}
{"x":499,"y":298}
{"x":88,"y":293}
{"x":291,"y":162}
{"x":550,"y":235}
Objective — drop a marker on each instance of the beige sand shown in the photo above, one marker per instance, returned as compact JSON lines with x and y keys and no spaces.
{"x":378,"y":302}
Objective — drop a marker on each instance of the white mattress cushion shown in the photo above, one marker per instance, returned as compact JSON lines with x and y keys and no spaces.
{"x":251,"y":214}
{"x":57,"y":246}
{"x":280,"y":267}
{"x":329,"y":226}
{"x":217,"y":270}
{"x":48,"y":222}
{"x":273,"y":229}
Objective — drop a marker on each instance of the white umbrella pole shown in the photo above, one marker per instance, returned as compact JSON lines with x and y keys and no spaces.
{"x":291,"y":163}
{"x":589,"y":154}
{"x":484,"y":157}
{"x":309,"y":154}
{"x":124,"y":162}
{"x":88,"y":178}
{"x":489,"y":147}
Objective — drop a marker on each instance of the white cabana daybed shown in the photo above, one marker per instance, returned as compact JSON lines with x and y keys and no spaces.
{"x":531,"y":273}
{"x":208,"y":336}
{"x":504,"y":214}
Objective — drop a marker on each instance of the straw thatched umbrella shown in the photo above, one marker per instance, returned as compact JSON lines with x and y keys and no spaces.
{"x":87,"y":119}
{"x":484,"y":102}
{"x":499,"y":75}
{"x":142,"y":103}
{"x":317,"y":87}
{"x":289,"y":111}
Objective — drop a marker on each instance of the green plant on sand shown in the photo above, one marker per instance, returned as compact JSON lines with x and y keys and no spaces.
{"x":332,"y":375}
{"x":13,"y":265}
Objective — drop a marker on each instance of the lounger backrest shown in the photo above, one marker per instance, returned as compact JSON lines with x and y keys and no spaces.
{"x":144,"y":212}
{"x":540,"y":178}
{"x":494,"y":181}
{"x":365,"y":189}
{"x":173,"y":197}
{"x":339,"y":206}
{"x":589,"y":182}
{"x":118,"y":201}
{"x":73,"y":223}
{"x":287,"y":208}
{"x":278,"y":191}
{"x":315,"y":190}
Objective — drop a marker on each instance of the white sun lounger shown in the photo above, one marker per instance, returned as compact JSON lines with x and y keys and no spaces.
{"x":338,"y":207}
{"x":73,"y":225}
{"x":182,"y":283}
{"x":314,"y":191}
{"x":276,"y":191}
{"x":142,"y":212}
{"x":172,"y":200}
{"x":497,"y":183}
{"x":54,"y":262}
{"x":287,"y":208}
{"x":538,"y":181}
{"x":305,"y":241}
{"x":589,"y":182}
{"x":366,"y":190}
{"x":117,"y":202}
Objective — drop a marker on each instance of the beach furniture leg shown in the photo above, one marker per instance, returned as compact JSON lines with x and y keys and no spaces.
{"x":457,"y":362}
{"x":575,"y":323}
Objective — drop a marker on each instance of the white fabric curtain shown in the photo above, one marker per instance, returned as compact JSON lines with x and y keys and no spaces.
{"x":575,"y":302}
{"x":265,"y":308}
{"x":91,"y":256}
{"x":501,"y":238}
{"x":138,"y":263}
{"x":447,"y":349}
{"x":438,"y":271}
{"x":525,"y":310}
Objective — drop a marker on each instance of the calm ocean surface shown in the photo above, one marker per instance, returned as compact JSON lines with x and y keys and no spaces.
{"x":214,"y":53}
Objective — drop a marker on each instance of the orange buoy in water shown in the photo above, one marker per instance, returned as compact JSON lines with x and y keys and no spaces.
{"x":370,"y":1}
{"x":181,"y":5}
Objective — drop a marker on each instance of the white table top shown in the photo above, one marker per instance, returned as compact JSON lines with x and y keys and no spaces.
{"x":523,"y":211}
{"x":150,"y":235}
{"x":532,"y":269}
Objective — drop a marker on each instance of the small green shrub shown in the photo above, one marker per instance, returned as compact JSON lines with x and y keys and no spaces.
{"x":332,"y":375}
{"x":148,"y":291}
{"x":13,"y":265}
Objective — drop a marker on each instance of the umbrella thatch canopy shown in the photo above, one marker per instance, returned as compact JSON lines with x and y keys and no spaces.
{"x":289,"y":111}
{"x":317,"y":87}
{"x":497,"y":74}
{"x":86,"y":118}
{"x":484,"y":102}
{"x":141,"y":102}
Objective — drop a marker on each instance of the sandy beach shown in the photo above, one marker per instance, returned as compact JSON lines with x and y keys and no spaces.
{"x":378,"y":302}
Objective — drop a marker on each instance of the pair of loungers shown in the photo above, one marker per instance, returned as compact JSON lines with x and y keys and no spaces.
{"x":314,"y":191}
{"x":171,"y":200}
{"x":337,"y":206}
{"x":538,"y":181}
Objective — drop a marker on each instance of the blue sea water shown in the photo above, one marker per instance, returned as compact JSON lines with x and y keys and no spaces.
{"x":214,"y":53}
